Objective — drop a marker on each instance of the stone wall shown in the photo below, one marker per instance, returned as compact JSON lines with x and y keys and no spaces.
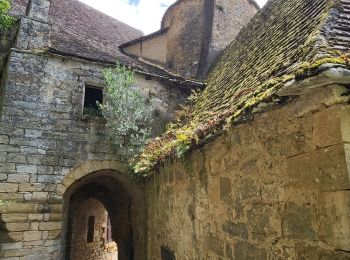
{"x":229,"y":19}
{"x":186,"y":22}
{"x":44,"y":137}
{"x":99,"y":248}
{"x":276,"y":187}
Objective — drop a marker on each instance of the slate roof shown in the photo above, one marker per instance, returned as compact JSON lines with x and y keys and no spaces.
{"x":81,"y":31}
{"x":285,"y":41}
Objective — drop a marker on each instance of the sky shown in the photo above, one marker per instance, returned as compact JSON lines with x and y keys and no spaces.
{"x":144,"y":15}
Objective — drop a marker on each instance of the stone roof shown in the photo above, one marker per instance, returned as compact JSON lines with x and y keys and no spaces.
{"x":283,"y":36}
{"x":81,"y":31}
{"x":285,"y":42}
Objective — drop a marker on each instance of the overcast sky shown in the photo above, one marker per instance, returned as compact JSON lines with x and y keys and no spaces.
{"x":145,"y":15}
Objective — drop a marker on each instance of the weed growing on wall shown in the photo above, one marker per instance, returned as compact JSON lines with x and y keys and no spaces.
{"x":128,"y":113}
{"x":6,"y":21}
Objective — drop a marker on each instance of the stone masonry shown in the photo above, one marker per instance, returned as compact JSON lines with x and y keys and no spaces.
{"x":44,"y":135}
{"x":273,"y":188}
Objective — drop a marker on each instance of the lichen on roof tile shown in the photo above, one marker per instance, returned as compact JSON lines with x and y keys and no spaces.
{"x":284,"y":40}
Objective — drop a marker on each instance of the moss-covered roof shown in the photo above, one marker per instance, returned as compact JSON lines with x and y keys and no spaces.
{"x":284,"y":40}
{"x":282,"y":36}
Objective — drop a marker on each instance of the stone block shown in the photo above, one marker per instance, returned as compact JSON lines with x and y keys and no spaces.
{"x":55,"y":217}
{"x":299,"y":222}
{"x":306,"y":252}
{"x":53,"y":234}
{"x":13,"y":254}
{"x":10,"y":237}
{"x":8,"y":168}
{"x":45,"y":170}
{"x":324,"y":169}
{"x":50,"y":225}
{"x":18,"y":178}
{"x":34,"y":225}
{"x":17,"y":208}
{"x":11,"y":246}
{"x":19,"y":226}
{"x":35,"y":217}
{"x":215,"y":245}
{"x":225,"y":189}
{"x":14,"y":217}
{"x":22,"y":168}
{"x":9,"y":148}
{"x":51,"y":160}
{"x":327,"y":126}
{"x":8,"y":187}
{"x":11,"y":197}
{"x":236,"y":230}
{"x":40,"y":196}
{"x":3,"y":176}
{"x":245,"y":251}
{"x":336,"y":221}
{"x":33,"y":35}
{"x":34,"y":159}
{"x":28,"y":196}
{"x":2,"y":157}
{"x":4,"y":139}
{"x":30,"y":187}
{"x":33,"y":133}
{"x":16,"y":158}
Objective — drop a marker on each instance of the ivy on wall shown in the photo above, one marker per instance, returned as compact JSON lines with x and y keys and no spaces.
{"x":6,"y":21}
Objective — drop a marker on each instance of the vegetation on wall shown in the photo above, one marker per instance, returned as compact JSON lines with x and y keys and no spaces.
{"x":180,"y":137}
{"x":6,"y":21}
{"x":128,"y":113}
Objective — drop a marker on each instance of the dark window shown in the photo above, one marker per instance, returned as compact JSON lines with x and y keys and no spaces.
{"x":93,"y":95}
{"x":109,"y":230}
{"x":91,"y":229}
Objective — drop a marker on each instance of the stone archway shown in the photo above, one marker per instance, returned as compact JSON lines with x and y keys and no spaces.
{"x":117,"y":194}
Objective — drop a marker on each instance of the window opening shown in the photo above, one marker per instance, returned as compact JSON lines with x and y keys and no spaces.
{"x":93,"y":95}
{"x":91,"y":229}
{"x":109,"y":230}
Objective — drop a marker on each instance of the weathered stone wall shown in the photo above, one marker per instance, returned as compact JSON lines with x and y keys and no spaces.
{"x":44,"y":136}
{"x":276,"y":187}
{"x":99,"y":248}
{"x":186,"y":22}
{"x":153,"y":49}
{"x":229,"y":18}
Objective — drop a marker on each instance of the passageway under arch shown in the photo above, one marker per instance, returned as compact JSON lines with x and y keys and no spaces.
{"x":89,"y":204}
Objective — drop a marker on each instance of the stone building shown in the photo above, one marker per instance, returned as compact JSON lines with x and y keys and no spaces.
{"x":268,"y":177}
{"x":65,"y":193}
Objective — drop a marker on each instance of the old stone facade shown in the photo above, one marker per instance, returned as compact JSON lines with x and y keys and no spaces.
{"x":193,"y":34}
{"x":90,"y":241}
{"x":44,"y":135}
{"x":274,"y":186}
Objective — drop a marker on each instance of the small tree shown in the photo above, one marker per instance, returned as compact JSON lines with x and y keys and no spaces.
{"x":127,"y":112}
{"x":6,"y":21}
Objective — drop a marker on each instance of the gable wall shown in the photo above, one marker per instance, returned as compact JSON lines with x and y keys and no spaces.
{"x":273,"y":188}
{"x":153,"y":49}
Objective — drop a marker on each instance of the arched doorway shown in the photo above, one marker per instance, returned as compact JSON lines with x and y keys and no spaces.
{"x":102,"y":219}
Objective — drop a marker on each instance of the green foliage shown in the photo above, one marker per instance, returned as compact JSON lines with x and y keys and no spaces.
{"x":6,"y":21}
{"x":188,"y":130}
{"x":127,"y":112}
{"x":6,"y":202}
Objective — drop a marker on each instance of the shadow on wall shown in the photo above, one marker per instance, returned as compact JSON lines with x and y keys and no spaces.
{"x":90,"y":203}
